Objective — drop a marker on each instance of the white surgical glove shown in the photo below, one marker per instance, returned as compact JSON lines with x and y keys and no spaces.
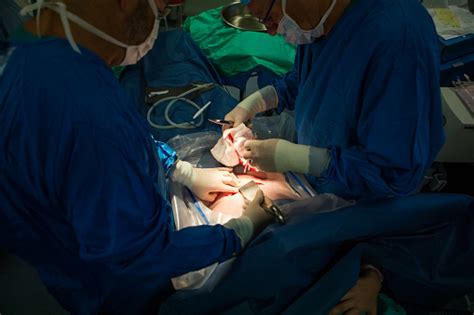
{"x":253,"y":209}
{"x":205,"y":183}
{"x":253,"y":220}
{"x":258,"y":102}
{"x":277,"y":155}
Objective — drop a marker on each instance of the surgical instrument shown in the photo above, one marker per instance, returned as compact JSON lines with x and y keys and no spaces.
{"x":249,"y":191}
{"x":222,"y":122}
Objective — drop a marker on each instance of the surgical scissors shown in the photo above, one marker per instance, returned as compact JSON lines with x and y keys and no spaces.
{"x":222,"y":122}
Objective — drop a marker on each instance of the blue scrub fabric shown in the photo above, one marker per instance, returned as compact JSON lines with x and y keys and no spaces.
{"x":83,"y":194}
{"x":166,"y":155}
{"x":176,"y":61}
{"x":369,"y":92}
{"x":423,"y":245}
{"x":10,"y":18}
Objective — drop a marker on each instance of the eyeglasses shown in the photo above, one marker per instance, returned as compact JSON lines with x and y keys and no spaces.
{"x":265,"y":19}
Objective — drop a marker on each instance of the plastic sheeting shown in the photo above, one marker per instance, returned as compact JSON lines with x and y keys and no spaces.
{"x":424,"y":245}
{"x":189,"y":211}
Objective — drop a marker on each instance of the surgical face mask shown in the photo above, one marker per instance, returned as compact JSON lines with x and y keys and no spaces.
{"x":293,"y":32}
{"x":133,"y":52}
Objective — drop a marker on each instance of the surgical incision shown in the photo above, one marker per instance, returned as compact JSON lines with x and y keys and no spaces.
{"x":274,"y":187}
{"x":228,"y":152}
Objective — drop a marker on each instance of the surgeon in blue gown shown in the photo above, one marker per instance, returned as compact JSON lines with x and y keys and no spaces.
{"x":83,"y":186}
{"x":365,"y":92}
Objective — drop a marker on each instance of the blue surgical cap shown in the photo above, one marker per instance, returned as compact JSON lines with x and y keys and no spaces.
{"x":245,"y":2}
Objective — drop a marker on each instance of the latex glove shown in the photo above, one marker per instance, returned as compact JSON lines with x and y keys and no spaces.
{"x":277,"y":155}
{"x":253,"y":220}
{"x":205,"y":183}
{"x":260,"y":101}
{"x":253,"y":209}
{"x":362,"y":297}
{"x":261,"y":154}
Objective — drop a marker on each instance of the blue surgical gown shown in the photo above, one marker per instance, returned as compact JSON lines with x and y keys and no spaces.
{"x":83,"y":195}
{"x":369,"y":92}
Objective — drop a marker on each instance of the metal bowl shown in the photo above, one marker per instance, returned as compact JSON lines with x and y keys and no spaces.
{"x":238,"y":16}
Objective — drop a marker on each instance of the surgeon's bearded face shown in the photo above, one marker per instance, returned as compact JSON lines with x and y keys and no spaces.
{"x":140,"y":23}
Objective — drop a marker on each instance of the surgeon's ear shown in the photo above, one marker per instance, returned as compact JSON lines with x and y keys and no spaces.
{"x":161,"y":4}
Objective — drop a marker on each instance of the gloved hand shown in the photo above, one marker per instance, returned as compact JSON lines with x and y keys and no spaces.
{"x":253,"y":220}
{"x":277,"y":155}
{"x":253,"y":209}
{"x":260,"y":101}
{"x":205,"y":183}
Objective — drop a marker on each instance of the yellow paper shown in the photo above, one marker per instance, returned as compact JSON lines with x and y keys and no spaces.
{"x":447,"y":17}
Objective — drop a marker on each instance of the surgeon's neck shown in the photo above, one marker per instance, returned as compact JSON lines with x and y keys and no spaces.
{"x":50,"y":25}
{"x":338,"y":11}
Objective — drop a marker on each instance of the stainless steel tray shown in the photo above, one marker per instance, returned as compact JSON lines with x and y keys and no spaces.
{"x":238,"y":16}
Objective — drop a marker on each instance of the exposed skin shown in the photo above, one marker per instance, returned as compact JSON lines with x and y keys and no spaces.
{"x":129,"y":21}
{"x":362,"y":298}
{"x":306,"y":13}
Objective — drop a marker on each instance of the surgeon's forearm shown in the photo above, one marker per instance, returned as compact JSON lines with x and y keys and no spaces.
{"x":301,"y":158}
{"x":260,"y":101}
{"x":243,"y":227}
{"x":319,"y":159}
{"x":184,"y":174}
{"x":287,"y":91}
